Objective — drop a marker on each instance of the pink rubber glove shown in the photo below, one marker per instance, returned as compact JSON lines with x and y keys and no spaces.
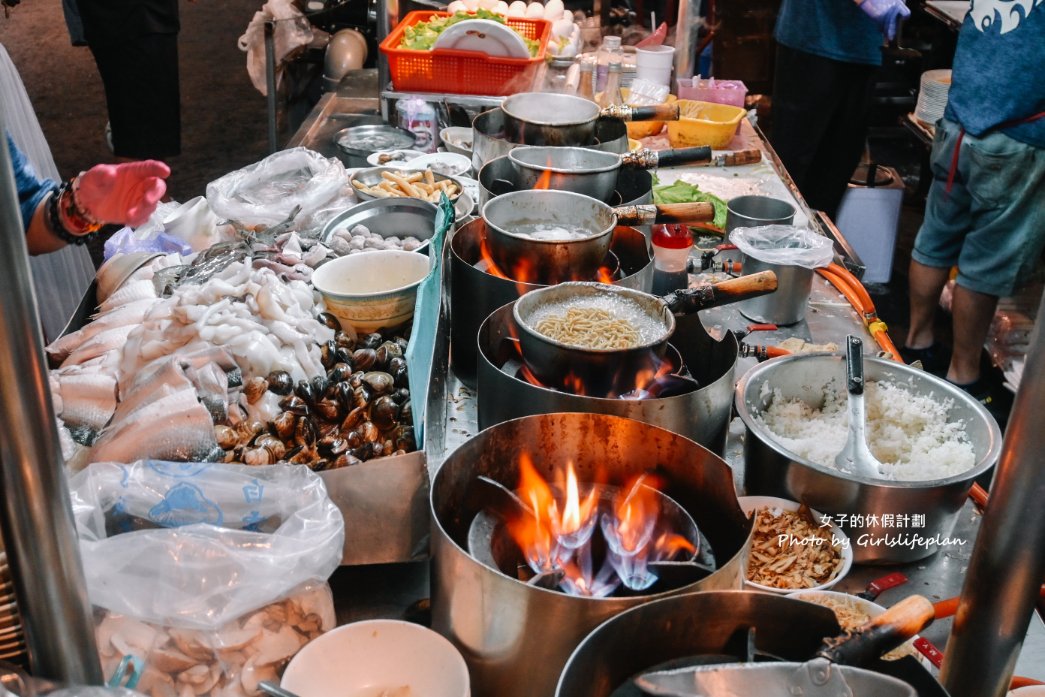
{"x":885,"y":13}
{"x":125,"y":193}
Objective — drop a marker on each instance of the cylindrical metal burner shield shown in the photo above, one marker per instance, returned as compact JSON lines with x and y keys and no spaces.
{"x":474,"y":294}
{"x":701,"y":415}
{"x":772,"y":470}
{"x":515,"y":637}
{"x":706,"y":623}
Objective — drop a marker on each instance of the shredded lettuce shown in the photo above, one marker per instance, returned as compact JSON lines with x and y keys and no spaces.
{"x":684,"y":192}
{"x":422,"y":36}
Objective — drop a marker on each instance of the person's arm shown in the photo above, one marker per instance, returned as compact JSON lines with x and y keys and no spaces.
{"x":54,"y":216}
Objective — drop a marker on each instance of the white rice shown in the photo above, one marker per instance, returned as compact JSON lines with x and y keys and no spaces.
{"x":909,"y":433}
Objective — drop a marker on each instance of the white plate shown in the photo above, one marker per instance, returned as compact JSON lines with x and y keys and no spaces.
{"x":403,"y":158}
{"x":448,"y":163}
{"x":749,"y":503}
{"x":483,"y":36}
{"x":464,"y":206}
{"x":471,"y":187}
{"x":457,"y":139}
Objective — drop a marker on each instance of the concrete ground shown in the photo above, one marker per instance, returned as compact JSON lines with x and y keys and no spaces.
{"x":223,"y":116}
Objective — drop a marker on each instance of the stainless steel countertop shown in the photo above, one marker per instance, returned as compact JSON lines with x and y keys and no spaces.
{"x":392,"y":590}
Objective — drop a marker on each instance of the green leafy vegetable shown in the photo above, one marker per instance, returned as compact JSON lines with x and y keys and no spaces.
{"x":422,"y":36}
{"x":684,"y":192}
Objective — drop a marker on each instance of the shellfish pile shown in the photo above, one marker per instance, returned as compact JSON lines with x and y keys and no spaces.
{"x":359,"y":409}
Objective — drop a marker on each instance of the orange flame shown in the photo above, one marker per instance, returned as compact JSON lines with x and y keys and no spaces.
{"x":636,"y":509}
{"x":545,"y":180}
{"x":576,"y":513}
{"x":668,"y":545}
{"x":524,"y":271}
{"x":535,"y":532}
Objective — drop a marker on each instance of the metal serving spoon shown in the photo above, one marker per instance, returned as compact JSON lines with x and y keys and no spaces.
{"x":856,"y":458}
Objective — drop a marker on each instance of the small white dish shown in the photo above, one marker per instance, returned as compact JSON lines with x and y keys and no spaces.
{"x":482,"y":36}
{"x":457,"y":139}
{"x":364,"y":659}
{"x":750,"y":503}
{"x":470,"y":186}
{"x":400,"y":158}
{"x":464,"y":206}
{"x":447,"y":163}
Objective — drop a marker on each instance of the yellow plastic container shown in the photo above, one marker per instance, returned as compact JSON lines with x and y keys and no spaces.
{"x":638,"y":130}
{"x":704,"y":123}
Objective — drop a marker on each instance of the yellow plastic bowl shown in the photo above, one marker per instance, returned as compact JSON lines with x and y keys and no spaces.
{"x":643,"y":129}
{"x":704,"y":123}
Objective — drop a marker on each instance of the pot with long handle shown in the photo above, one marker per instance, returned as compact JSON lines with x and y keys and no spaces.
{"x":559,"y":364}
{"x":541,"y":118}
{"x":594,"y":173}
{"x":830,"y":674}
{"x":555,"y":257}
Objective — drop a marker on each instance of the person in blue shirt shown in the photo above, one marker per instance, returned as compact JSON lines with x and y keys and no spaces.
{"x":55,"y":215}
{"x":827,"y":54}
{"x":985,"y":212}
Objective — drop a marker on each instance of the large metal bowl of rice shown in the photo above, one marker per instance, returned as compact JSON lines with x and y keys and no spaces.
{"x":933,"y":437}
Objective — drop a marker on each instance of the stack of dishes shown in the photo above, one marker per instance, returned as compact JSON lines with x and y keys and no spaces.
{"x":932,"y":96}
{"x":12,"y":638}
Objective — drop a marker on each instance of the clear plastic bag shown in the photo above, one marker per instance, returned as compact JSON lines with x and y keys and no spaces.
{"x":215,"y":569}
{"x":785,"y":245}
{"x":267,"y":192}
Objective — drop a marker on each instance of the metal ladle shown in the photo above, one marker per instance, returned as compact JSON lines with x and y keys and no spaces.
{"x":856,"y":458}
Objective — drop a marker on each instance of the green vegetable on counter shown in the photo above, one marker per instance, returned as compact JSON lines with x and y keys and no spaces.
{"x":684,"y":192}
{"x":422,"y":36}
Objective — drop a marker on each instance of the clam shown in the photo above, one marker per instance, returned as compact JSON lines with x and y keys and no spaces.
{"x":380,"y":383}
{"x":384,"y":413}
{"x":304,"y":390}
{"x":328,"y":409}
{"x":332,"y":446}
{"x":255,"y":388}
{"x":319,"y":386}
{"x":406,"y":413}
{"x":369,"y":431}
{"x":344,"y":355}
{"x":339,"y":373}
{"x":303,"y":456}
{"x":248,"y":429}
{"x":354,"y":438}
{"x":226,"y":436}
{"x":370,"y":341}
{"x":354,"y":418}
{"x":319,"y":465}
{"x":328,"y":354}
{"x":284,"y":424}
{"x":273,"y":444}
{"x":280,"y":382}
{"x":343,"y":395}
{"x":329,"y":320}
{"x":404,"y":438}
{"x":294,"y":404}
{"x":345,"y":460}
{"x":361,"y":396}
{"x":387,"y":351}
{"x":364,"y":359}
{"x":258,"y":456}
{"x":344,"y":340}
{"x":304,"y":432}
{"x":401,"y":396}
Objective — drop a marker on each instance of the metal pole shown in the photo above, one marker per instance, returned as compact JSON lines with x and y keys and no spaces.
{"x":686,"y":38}
{"x":270,"y":82}
{"x":387,"y":18}
{"x":35,"y":514}
{"x":1008,"y":560}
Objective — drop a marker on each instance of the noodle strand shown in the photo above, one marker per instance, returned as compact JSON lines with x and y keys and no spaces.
{"x":591,"y":328}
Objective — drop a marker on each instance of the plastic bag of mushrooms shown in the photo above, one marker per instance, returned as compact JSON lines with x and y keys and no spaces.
{"x":214,"y":575}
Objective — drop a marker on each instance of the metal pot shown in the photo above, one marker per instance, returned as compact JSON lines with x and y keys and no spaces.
{"x":711,"y":628}
{"x":559,"y":260}
{"x":475,"y":293}
{"x":556,"y":363}
{"x":633,"y":186}
{"x":542,"y":118}
{"x":490,"y":139}
{"x":590,"y":172}
{"x":772,"y":470}
{"x":701,"y":415}
{"x":356,"y":143}
{"x":516,"y":637}
{"x":388,"y":217}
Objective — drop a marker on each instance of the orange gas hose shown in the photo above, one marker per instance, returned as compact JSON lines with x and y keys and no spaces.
{"x":854,"y":291}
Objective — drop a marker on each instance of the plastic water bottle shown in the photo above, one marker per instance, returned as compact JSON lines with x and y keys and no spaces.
{"x":610,"y":48}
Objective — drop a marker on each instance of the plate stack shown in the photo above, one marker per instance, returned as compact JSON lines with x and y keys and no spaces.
{"x":932,"y":96}
{"x":12,"y":639}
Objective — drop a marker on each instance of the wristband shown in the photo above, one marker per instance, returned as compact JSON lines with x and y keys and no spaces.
{"x":68,"y":225}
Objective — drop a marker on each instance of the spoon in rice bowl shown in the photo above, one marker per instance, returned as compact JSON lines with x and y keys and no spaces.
{"x":856,"y":458}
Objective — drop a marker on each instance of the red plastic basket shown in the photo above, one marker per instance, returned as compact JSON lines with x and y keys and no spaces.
{"x":463,"y":72}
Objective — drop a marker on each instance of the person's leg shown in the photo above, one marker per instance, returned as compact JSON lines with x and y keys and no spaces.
{"x":803,"y":102}
{"x":972,"y":313}
{"x":843,"y":143}
{"x":925,"y":283}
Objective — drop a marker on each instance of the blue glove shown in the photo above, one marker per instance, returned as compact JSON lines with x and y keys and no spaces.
{"x":886,"y":13}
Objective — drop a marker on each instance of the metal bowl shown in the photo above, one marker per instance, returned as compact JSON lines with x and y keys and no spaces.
{"x":554,"y":260}
{"x":772,"y":470}
{"x":490,"y":139}
{"x":356,"y":143}
{"x":400,"y":217}
{"x":372,"y":176}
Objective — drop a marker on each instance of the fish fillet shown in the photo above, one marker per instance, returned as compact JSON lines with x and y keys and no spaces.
{"x":88,"y":399}
{"x":186,"y":434}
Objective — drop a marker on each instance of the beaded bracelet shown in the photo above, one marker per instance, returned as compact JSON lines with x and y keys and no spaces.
{"x":58,"y":204}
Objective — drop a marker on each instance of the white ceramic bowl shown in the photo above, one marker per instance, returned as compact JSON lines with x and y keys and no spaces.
{"x":871,"y":609}
{"x":363,"y":658}
{"x":371,"y":290}
{"x":749,"y":503}
{"x":457,"y":139}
